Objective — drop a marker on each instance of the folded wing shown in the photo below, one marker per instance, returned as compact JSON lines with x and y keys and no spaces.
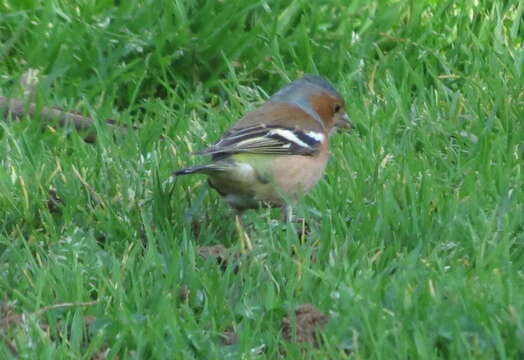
{"x":266,"y":139}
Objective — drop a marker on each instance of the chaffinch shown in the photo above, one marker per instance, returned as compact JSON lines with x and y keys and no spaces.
{"x":278,"y":152}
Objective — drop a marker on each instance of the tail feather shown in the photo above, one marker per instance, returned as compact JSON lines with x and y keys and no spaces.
{"x":206,"y":168}
{"x":190,"y":170}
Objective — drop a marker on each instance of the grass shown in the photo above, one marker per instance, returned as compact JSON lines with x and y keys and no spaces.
{"x":417,"y":242}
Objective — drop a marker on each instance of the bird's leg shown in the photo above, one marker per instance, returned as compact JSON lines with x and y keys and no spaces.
{"x":289,"y":217}
{"x":245,"y":242}
{"x":288,"y":213}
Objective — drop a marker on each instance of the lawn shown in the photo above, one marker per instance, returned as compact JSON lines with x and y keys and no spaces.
{"x":415,"y":248}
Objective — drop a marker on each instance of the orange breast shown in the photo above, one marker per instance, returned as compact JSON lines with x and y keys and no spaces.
{"x":298,"y":174}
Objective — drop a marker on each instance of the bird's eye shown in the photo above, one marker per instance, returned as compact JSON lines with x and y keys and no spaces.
{"x":337,"y":108}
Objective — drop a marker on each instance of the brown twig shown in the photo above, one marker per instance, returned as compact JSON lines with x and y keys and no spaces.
{"x":17,"y":109}
{"x":45,"y":309}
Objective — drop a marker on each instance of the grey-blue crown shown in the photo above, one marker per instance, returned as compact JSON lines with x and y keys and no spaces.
{"x":299,"y":88}
{"x":320,"y":81}
{"x":299,"y":93}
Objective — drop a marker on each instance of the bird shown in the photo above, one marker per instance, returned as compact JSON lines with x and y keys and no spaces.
{"x":277,"y":153}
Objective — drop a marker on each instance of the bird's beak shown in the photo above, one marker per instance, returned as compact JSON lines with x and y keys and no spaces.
{"x":345,"y":123}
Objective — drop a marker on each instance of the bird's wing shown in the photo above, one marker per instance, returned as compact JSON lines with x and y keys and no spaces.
{"x":274,"y":128}
{"x":267,"y":139}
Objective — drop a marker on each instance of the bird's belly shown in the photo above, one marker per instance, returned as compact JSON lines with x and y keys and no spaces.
{"x":243,"y":187}
{"x":240,"y":185}
{"x":298,"y":174}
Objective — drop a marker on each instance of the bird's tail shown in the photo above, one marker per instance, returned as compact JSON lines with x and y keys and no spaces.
{"x":206,"y":169}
